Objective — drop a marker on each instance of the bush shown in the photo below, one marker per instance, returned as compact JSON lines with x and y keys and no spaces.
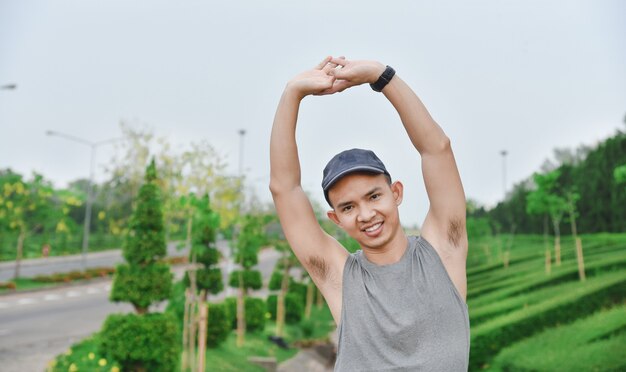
{"x":219,"y":325}
{"x":299,"y":290}
{"x":84,"y":356}
{"x":275,"y":281}
{"x":307,"y":327}
{"x":176,"y":303}
{"x":251,"y":279}
{"x":255,"y":312}
{"x":293,"y":307}
{"x":142,"y":285}
{"x":208,"y":279}
{"x":231,"y":306}
{"x":8,"y":285}
{"x":150,"y":341}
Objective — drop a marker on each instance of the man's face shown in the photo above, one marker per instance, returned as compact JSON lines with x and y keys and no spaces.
{"x":366,"y":207}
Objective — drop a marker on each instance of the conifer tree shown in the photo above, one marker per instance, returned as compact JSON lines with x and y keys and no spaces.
{"x":143,"y":341}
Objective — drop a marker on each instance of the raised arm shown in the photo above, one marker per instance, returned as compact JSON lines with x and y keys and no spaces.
{"x":444,"y":226}
{"x":321,"y":255}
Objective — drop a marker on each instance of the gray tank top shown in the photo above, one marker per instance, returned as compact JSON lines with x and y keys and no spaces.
{"x":406,"y":316}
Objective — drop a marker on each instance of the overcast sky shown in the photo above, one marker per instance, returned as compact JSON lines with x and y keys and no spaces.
{"x":524,"y":76}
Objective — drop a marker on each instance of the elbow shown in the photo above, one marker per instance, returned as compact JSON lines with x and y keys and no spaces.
{"x":444,"y":144}
{"x":441,"y":145}
{"x":277,"y":188}
{"x":274,"y":187}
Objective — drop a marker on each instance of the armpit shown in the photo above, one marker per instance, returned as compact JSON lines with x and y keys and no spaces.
{"x":317,"y":267}
{"x":456,"y":231}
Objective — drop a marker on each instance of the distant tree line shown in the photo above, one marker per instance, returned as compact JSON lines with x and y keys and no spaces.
{"x":592,"y":180}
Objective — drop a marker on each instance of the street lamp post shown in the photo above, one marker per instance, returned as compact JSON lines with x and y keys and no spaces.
{"x":87,"y":220}
{"x":504,"y":153}
{"x":242,"y":133}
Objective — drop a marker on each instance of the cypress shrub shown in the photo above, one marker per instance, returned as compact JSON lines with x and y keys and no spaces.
{"x":142,"y":342}
{"x":142,"y":286}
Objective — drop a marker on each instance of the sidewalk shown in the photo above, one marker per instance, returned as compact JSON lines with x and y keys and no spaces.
{"x":316,"y":359}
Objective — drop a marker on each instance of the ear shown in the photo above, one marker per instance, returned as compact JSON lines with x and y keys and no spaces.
{"x":333,"y":217}
{"x":397,"y":188}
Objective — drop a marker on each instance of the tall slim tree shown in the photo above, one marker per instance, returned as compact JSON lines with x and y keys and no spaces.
{"x":146,"y":341}
{"x":250,"y":240}
{"x":546,"y":199}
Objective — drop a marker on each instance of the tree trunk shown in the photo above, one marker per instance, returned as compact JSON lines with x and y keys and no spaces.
{"x":20,"y":250}
{"x":581,"y":259}
{"x":320,"y":299}
{"x":280,"y":303}
{"x":579,"y":245}
{"x":548,"y":262}
{"x":309,"y":299}
{"x":185,"y":356}
{"x":241,"y":312}
{"x":189,"y":230}
{"x":202,"y":334}
{"x":557,"y":241}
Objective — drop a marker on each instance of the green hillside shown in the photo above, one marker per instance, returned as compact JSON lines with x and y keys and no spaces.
{"x":514,"y":310}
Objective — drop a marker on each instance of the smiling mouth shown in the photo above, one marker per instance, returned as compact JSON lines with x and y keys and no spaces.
{"x":373,"y":227}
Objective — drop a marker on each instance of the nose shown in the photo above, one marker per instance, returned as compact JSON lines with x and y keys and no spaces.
{"x":365,"y":214}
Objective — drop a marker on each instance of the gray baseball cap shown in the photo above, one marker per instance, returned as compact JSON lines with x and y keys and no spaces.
{"x":350,"y":161}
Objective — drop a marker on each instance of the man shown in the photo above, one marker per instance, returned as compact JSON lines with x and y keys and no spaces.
{"x":399,"y":302}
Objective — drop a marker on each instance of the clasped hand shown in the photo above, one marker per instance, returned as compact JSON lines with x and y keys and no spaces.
{"x":335,"y":74}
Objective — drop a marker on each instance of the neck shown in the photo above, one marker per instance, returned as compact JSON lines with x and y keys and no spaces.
{"x":389,"y":253}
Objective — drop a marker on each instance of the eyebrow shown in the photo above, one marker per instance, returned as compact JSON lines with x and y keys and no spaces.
{"x":367,"y":194}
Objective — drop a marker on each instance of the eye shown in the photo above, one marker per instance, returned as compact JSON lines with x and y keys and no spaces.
{"x":347,"y":208}
{"x":375,"y":197}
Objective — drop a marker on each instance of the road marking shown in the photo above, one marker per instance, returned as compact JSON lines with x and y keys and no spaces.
{"x":72,"y":294}
{"x":93,"y":290}
{"x":51,"y":297}
{"x":107,"y":287}
{"x":3,"y":305}
{"x":26,"y":301}
{"x":4,"y":332}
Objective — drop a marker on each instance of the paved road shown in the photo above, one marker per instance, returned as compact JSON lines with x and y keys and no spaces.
{"x":60,"y":264}
{"x":37,"y":326}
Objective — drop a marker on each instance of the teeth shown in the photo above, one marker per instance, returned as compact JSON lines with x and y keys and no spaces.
{"x":370,"y":229}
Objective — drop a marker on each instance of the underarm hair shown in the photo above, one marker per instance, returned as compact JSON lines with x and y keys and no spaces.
{"x":318,"y":267}
{"x":455,"y":231}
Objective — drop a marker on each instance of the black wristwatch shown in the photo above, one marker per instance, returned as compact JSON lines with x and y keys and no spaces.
{"x":384,"y":79}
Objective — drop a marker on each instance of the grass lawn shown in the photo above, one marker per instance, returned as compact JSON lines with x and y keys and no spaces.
{"x":84,"y":356}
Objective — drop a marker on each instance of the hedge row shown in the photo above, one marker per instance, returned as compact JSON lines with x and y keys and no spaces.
{"x":492,"y":336}
{"x":595,"y":343}
{"x":481,"y":314}
{"x":513,"y":275}
{"x":75,"y":275}
{"x":567,"y":272}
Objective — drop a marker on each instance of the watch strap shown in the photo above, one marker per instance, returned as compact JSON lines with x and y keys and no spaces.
{"x":384,"y":79}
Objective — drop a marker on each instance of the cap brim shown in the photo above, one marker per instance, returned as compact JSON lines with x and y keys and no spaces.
{"x":359,"y":168}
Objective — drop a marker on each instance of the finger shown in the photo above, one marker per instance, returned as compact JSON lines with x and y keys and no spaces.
{"x":329,"y":66}
{"x":338,"y":73}
{"x":341,"y":61}
{"x":338,"y":86}
{"x":323,"y":63}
